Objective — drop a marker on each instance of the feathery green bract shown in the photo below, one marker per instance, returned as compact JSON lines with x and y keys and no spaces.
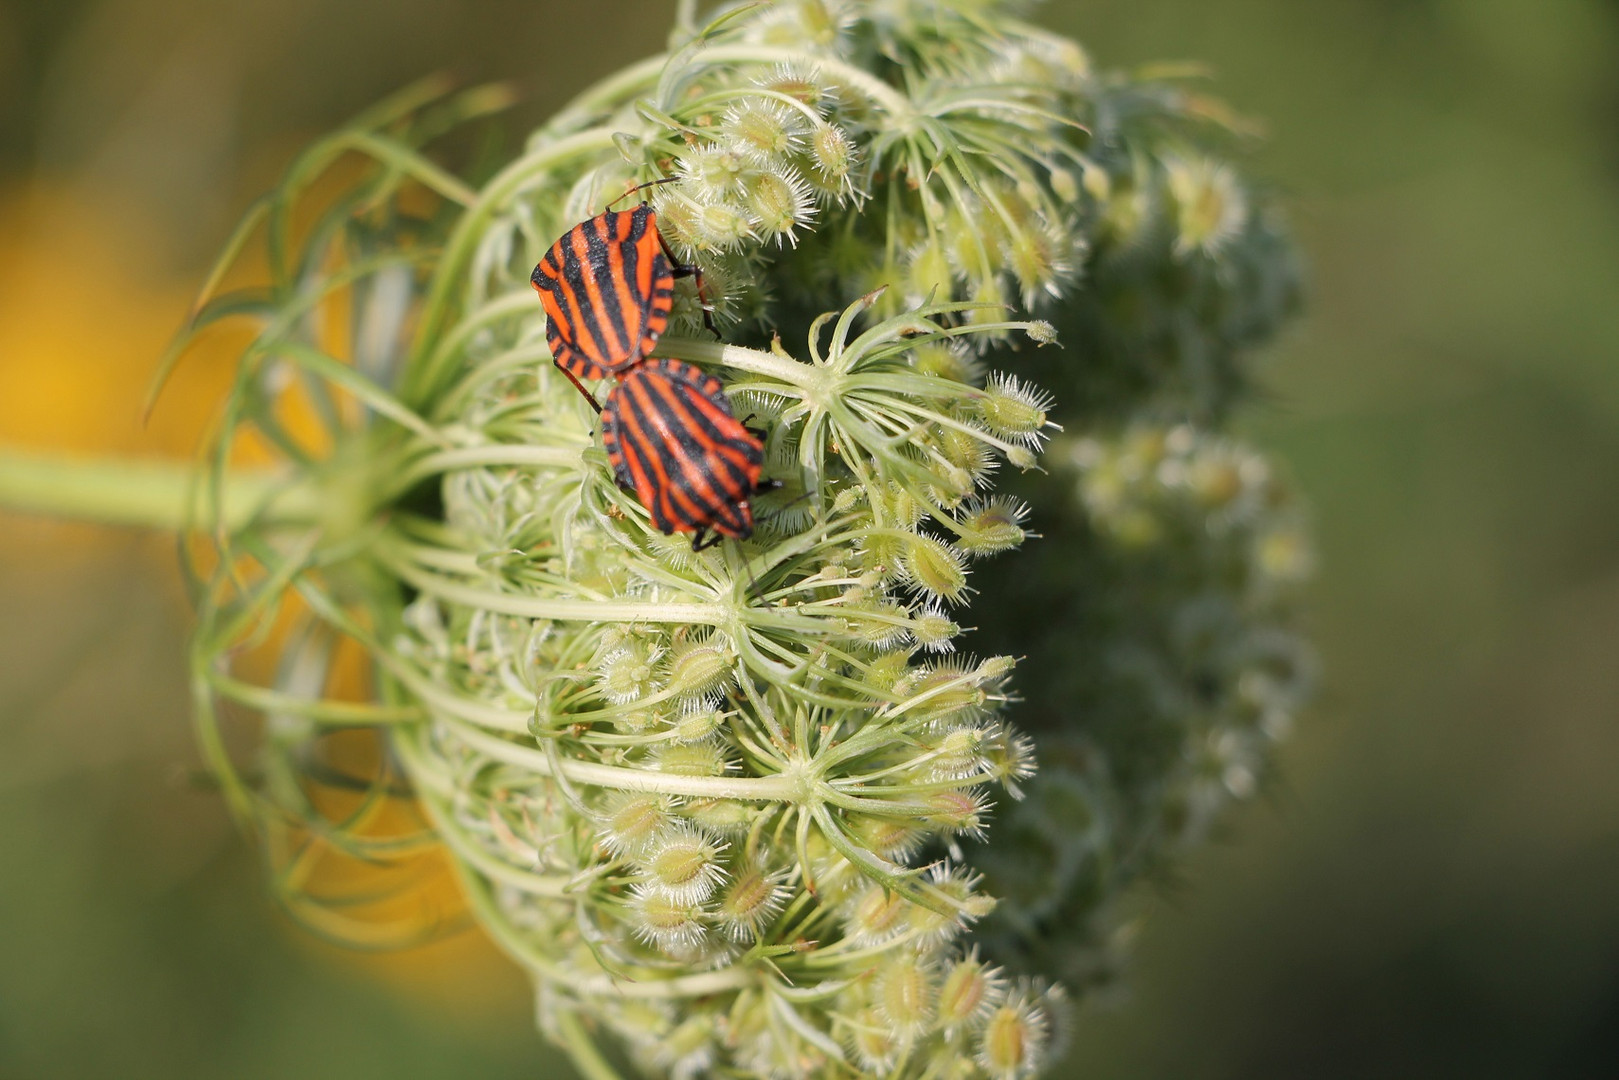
{"x":732,"y":809}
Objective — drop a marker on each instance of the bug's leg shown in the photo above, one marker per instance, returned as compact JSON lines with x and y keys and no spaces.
{"x":757,"y":432}
{"x":692,"y":270}
{"x":703,"y":539}
{"x":594,"y":404}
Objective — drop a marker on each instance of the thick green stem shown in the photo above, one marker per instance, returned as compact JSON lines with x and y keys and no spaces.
{"x":582,"y":1049}
{"x":151,"y":493}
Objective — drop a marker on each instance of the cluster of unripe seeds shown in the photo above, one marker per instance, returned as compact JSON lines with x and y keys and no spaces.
{"x":760,"y":163}
{"x":1157,"y":492}
{"x":1199,"y":673}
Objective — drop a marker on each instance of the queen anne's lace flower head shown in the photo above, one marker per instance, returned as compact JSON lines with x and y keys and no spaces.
{"x":726,"y":806}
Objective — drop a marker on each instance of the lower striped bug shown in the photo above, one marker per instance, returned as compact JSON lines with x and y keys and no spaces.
{"x":671,"y":439}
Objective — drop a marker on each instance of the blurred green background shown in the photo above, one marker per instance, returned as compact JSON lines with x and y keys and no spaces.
{"x":1435,"y":894}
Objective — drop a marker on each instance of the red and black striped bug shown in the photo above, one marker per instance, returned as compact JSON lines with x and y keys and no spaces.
{"x":607,"y":286}
{"x":671,"y":439}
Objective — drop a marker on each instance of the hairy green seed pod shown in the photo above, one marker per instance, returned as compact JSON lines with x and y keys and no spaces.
{"x":629,"y":821}
{"x":748,"y":903}
{"x":1016,"y":1037}
{"x":682,"y":863}
{"x":701,"y":724}
{"x":719,"y":226}
{"x":968,"y":992}
{"x":991,"y":526}
{"x":794,"y":82}
{"x":943,"y":692}
{"x":698,"y":670}
{"x":904,"y":994}
{"x":873,"y":1042}
{"x":892,"y":838}
{"x":712,"y":171}
{"x":763,"y":129}
{"x":780,"y":203}
{"x":1012,"y":409}
{"x":720,"y":816}
{"x":832,"y":156}
{"x":674,"y":927}
{"x":934,"y":567}
{"x":885,"y":672}
{"x":1211,"y":208}
{"x":695,"y":759}
{"x":875,"y":915}
{"x":933,"y":630}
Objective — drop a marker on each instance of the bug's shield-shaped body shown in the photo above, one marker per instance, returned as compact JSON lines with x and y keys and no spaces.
{"x":671,"y":439}
{"x":607,"y":288}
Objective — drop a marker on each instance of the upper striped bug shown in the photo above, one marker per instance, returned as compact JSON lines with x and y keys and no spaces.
{"x":607,"y":286}
{"x":670,"y":438}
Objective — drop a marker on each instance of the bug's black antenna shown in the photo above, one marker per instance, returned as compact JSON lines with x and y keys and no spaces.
{"x":638,"y":187}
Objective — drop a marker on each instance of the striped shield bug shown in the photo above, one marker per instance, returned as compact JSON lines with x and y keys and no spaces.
{"x":671,"y":439}
{"x":607,"y":286}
